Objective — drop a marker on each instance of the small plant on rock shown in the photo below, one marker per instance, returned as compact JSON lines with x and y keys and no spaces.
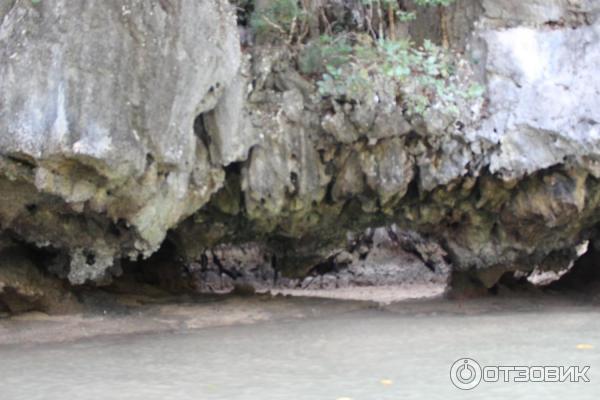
{"x":283,"y":19}
{"x":420,"y":76}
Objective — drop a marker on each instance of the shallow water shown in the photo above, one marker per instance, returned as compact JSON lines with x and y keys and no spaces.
{"x":367,"y":354}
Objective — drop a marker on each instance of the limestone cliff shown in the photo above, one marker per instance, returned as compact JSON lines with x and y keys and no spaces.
{"x":121,"y":121}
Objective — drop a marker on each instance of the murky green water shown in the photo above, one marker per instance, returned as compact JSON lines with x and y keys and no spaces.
{"x":369,"y":354}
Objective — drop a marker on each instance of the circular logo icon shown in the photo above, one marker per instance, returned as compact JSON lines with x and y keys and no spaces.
{"x":465,"y":373}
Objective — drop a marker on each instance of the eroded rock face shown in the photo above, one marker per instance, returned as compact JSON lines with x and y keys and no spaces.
{"x":97,"y":106}
{"x":511,"y":185}
{"x":24,"y":287}
{"x":545,"y":108}
{"x":376,"y":257}
{"x":117,"y":125}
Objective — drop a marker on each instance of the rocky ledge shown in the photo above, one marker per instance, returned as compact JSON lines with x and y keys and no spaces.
{"x":164,"y":129}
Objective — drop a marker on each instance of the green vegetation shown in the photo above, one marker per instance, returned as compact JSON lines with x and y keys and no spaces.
{"x":352,"y":68}
{"x":394,"y":9}
{"x":280,"y":19}
{"x":353,"y":63}
{"x":298,"y":19}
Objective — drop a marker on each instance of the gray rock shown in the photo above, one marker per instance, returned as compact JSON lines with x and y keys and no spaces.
{"x":350,"y":180}
{"x":388,"y":169}
{"x":98,"y":100}
{"x":228,"y":266}
{"x":544,"y":101}
{"x":99,"y":158}
{"x":511,"y":12}
{"x":338,"y":126}
{"x":24,"y":287}
{"x":284,"y":165}
{"x":229,"y":128}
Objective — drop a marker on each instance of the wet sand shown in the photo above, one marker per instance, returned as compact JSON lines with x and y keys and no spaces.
{"x":377,"y":294}
{"x":114,"y":315}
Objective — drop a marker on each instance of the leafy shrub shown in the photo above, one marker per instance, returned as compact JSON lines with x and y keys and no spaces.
{"x":359,"y":66}
{"x":420,"y":76}
{"x":279,"y":20}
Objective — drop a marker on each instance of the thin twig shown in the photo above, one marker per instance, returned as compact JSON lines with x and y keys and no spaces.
{"x":274,"y":25}
{"x":326,"y":21}
{"x":391,"y":19}
{"x":380,"y":19}
{"x":368,"y":19}
{"x":292,"y":31}
{"x":444,"y":27}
